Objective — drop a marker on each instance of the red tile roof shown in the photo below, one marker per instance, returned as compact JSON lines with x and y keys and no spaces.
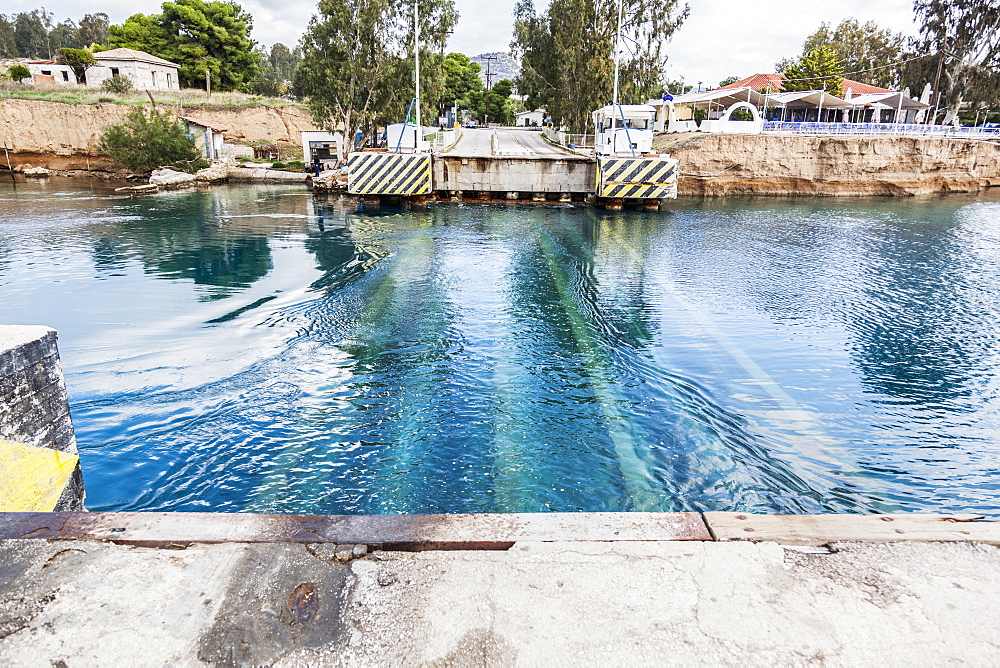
{"x":775,"y":81}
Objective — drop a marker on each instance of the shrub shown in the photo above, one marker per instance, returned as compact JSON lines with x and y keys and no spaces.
{"x":278,"y":165}
{"x":142,"y":143}
{"x":117,"y":84}
{"x":243,"y":158}
{"x":105,"y":100}
{"x":17,"y":71}
{"x":296,"y":164}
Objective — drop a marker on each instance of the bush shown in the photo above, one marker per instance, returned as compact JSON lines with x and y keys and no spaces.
{"x":18,"y":71}
{"x":105,"y":100}
{"x":243,"y":158}
{"x":278,"y":165}
{"x":296,"y":164}
{"x":117,"y":84}
{"x":142,"y":143}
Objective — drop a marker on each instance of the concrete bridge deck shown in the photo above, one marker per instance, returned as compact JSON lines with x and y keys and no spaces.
{"x":508,"y":142}
{"x":135,"y":589}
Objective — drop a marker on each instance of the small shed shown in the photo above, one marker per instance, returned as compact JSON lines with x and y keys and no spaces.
{"x":326,"y":146}
{"x":49,"y":71}
{"x":530,"y":118}
{"x":207,"y":137}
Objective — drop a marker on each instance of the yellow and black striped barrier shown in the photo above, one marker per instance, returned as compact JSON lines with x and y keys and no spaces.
{"x":637,"y":178}
{"x":33,"y":478}
{"x":389,"y":174}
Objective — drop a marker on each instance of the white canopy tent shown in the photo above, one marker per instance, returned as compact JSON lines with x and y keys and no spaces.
{"x":808,"y":99}
{"x":896,"y":101}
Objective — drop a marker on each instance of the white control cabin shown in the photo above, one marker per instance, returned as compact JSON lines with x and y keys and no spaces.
{"x":624,"y":129}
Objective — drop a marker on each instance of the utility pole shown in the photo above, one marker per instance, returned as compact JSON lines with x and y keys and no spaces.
{"x":618,"y":49}
{"x":489,"y":81}
{"x":208,"y":82}
{"x":416,"y":70}
{"x":937,"y":81}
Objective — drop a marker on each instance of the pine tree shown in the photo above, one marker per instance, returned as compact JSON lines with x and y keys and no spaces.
{"x":820,"y":69}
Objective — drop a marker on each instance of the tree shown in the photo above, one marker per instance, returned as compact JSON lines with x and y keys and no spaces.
{"x":728,"y":80}
{"x":143,"y":143}
{"x":357,"y":67}
{"x":17,"y":71}
{"x":199,"y":36}
{"x":961,"y":40}
{"x":79,"y":60}
{"x":571,"y":81}
{"x":93,"y":29}
{"x":278,"y":71}
{"x":461,"y":76}
{"x":501,"y":109}
{"x":820,"y":69}
{"x":869,"y":53}
{"x":31,"y":34}
{"x":8,"y":42}
{"x":64,"y":35}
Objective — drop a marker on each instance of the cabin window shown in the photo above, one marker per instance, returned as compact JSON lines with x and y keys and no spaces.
{"x":169,"y":84}
{"x":65,"y":76}
{"x":114,"y":71}
{"x":47,"y":72}
{"x":153,"y":74}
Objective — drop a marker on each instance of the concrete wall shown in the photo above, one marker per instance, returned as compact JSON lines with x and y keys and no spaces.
{"x":34,"y":409}
{"x":143,"y":75}
{"x":524,"y":175}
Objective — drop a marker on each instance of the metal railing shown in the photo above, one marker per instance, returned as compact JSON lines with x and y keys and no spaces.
{"x":908,"y":129}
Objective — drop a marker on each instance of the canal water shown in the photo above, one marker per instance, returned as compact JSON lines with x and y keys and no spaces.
{"x":265,"y":349}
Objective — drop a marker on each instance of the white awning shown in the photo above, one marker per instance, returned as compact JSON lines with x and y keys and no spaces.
{"x":809,"y":99}
{"x":722,"y":96}
{"x":634,"y":111}
{"x":890,"y":100}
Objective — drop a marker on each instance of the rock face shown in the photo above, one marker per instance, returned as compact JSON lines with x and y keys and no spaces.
{"x":215,"y":173}
{"x":65,"y":136}
{"x":36,"y":172}
{"x":331,"y":180}
{"x":168,"y":178}
{"x":716,"y":164}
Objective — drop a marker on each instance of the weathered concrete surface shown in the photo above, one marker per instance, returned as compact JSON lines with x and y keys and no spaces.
{"x":646,"y":603}
{"x":772,"y":164}
{"x":34,"y":408}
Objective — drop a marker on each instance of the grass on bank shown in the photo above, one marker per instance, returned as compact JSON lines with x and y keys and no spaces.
{"x":188,"y":97}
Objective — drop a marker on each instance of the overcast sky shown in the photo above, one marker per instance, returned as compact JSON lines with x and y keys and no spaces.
{"x":719,"y":39}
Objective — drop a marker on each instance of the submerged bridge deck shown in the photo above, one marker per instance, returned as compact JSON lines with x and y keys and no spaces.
{"x":512,"y":164}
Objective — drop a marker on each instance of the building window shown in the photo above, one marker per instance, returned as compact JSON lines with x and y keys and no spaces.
{"x":47,"y":73}
{"x":114,"y":71}
{"x":65,"y":76}
{"x":169,"y":85}
{"x":153,"y":74}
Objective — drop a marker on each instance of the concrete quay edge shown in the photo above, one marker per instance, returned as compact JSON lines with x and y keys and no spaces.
{"x":492,"y":531}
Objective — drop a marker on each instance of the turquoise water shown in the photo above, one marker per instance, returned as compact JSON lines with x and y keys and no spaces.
{"x":262,"y":349}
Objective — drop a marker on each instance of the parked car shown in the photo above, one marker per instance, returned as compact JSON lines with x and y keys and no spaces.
{"x":471,"y":124}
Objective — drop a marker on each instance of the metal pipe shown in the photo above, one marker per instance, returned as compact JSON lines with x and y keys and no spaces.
{"x":618,"y":48}
{"x":416,"y":74}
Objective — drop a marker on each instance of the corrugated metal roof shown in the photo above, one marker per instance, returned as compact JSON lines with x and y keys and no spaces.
{"x":217,"y":128}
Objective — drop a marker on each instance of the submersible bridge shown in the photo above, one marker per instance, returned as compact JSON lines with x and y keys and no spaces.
{"x":513,"y":165}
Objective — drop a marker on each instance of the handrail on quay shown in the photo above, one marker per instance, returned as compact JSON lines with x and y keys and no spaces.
{"x":906,"y":129}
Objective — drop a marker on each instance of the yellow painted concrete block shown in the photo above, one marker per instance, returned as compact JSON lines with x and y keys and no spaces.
{"x":31,"y":479}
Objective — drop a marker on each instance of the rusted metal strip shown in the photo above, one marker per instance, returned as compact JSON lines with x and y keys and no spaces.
{"x":824,"y":529}
{"x":400,"y":532}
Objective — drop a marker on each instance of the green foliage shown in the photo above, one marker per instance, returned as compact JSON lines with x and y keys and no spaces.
{"x":199,"y":36}
{"x":820,"y":69}
{"x":501,"y":109}
{"x":570,"y":81}
{"x":728,"y":80}
{"x":461,"y":76}
{"x":357,"y":61}
{"x":278,"y":165}
{"x":963,"y":36}
{"x":118,"y":83}
{"x":296,"y":164}
{"x":18,"y":71}
{"x":79,"y":60}
{"x":8,"y":43}
{"x":93,"y":29}
{"x":31,"y":34}
{"x":105,"y":100}
{"x":277,"y":73}
{"x":144,"y":142}
{"x":869,"y":53}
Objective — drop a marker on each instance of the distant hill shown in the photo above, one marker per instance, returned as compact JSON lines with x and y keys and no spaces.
{"x":504,"y":67}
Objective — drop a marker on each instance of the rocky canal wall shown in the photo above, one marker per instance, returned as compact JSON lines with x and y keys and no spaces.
{"x":769,"y":164}
{"x":65,"y":136}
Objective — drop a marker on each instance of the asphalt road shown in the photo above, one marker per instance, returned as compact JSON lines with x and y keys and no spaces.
{"x":479,"y":143}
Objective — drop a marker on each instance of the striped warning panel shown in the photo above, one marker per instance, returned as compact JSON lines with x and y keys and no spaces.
{"x":31,"y":478}
{"x":637,"y":178}
{"x":389,"y":174}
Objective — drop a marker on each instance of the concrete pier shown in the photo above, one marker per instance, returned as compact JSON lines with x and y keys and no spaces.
{"x":567,"y":591}
{"x":39,"y":467}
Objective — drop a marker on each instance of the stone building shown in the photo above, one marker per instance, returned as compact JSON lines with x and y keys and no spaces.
{"x":146,"y":71}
